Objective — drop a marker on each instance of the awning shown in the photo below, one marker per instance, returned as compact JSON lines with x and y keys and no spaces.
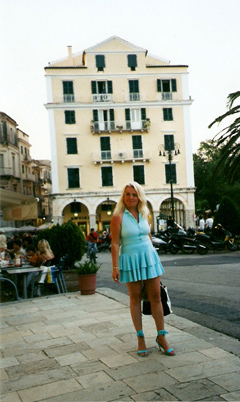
{"x":17,"y":207}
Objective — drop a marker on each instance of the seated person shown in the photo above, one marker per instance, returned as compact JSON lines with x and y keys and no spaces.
{"x":17,"y":249}
{"x":44,"y":250}
{"x":33,"y":258}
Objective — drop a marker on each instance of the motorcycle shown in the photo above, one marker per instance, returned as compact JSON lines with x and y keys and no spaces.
{"x":160,"y":244}
{"x":216,"y":241}
{"x":177,"y":240}
{"x":104,"y":243}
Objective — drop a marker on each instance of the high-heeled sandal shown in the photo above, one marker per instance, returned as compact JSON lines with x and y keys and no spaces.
{"x":142,"y":353}
{"x":169,"y":352}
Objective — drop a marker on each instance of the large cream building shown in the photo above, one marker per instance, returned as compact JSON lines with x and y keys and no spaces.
{"x":115,"y":114}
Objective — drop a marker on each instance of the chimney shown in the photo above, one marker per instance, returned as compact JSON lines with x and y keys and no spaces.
{"x":70,"y":58}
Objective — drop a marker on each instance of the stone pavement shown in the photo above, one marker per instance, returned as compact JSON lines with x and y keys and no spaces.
{"x":67,"y":348}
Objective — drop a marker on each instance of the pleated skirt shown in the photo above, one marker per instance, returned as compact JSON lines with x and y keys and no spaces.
{"x":139,"y":262}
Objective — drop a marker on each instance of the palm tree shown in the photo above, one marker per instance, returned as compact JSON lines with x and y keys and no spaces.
{"x":229,"y":138}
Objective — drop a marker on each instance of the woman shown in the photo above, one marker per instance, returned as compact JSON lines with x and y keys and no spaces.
{"x":44,"y":251}
{"x":134,"y":259}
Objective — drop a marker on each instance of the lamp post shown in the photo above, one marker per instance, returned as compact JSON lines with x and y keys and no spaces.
{"x":169,"y":149}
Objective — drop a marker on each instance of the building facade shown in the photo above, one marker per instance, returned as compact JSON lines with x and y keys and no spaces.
{"x":25,"y":183}
{"x":118,"y":114}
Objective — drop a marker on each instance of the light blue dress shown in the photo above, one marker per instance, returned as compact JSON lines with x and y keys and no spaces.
{"x":138,"y":259}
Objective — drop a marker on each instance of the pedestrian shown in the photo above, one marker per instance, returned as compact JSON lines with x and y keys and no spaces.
{"x":201,"y":224}
{"x":92,"y":240}
{"x":134,"y":259}
{"x":209,"y":224}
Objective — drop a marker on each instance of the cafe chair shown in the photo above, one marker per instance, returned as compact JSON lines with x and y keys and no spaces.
{"x":61,"y":266}
{"x":48,"y":277}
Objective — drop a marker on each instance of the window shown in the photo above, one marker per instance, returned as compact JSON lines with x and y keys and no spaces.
{"x":73,"y":178}
{"x":103,"y":120}
{"x":138,"y":174}
{"x":132,"y":61}
{"x":167,"y":85}
{"x":68,"y":94}
{"x":167,"y":114}
{"x":70,"y":117}
{"x":134,"y":90}
{"x":169,"y":142}
{"x":101,"y":87}
{"x":100,"y":62}
{"x":72,"y":146}
{"x":21,"y":149}
{"x":105,"y":148}
{"x":137,"y":146}
{"x":22,"y":168}
{"x":135,"y":118}
{"x":170,"y":172}
{"x":107,"y":178}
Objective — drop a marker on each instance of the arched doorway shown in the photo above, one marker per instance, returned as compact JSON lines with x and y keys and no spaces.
{"x":166,"y":210}
{"x":104,"y":215}
{"x":78,"y":213}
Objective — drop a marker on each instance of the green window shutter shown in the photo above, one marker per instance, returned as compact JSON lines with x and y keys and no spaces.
{"x":127,"y":115}
{"x":73,"y":178}
{"x":67,"y":87}
{"x":72,"y":146}
{"x":111,"y":114}
{"x":69,"y":117}
{"x":174,"y":85}
{"x":95,"y":115}
{"x":137,"y":141}
{"x":109,"y":85}
{"x":170,"y":172}
{"x":143,"y":113}
{"x":159,"y":85}
{"x":107,"y":178}
{"x":138,"y":174}
{"x":105,"y":144}
{"x":169,"y":142}
{"x":132,"y":60}
{"x":167,"y":114}
{"x":94,"y":87}
{"x":133,"y":86}
{"x":100,"y":62}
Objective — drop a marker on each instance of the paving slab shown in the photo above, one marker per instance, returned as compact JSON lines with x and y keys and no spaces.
{"x":83,"y":348}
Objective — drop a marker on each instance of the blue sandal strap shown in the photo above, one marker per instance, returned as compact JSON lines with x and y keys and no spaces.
{"x":162,"y":332}
{"x":140,"y":333}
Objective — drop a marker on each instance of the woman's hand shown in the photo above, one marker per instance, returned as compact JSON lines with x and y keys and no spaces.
{"x":115,"y":275}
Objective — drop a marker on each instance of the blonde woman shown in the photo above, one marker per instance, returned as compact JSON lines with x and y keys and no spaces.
{"x":134,"y":260}
{"x":44,"y":250}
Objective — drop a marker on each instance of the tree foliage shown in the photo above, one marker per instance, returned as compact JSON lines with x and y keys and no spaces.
{"x":228,"y":215}
{"x":211,"y":188}
{"x":229,"y":141}
{"x":66,"y":239}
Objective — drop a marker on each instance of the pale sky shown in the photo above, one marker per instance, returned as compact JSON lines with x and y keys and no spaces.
{"x":203,"y":34}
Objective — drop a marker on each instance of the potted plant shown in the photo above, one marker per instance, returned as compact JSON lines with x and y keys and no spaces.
{"x":87,"y":276}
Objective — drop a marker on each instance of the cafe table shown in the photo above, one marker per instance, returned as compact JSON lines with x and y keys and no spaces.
{"x":24,"y":270}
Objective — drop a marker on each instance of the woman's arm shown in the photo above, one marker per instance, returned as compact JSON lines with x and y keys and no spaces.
{"x":115,"y":229}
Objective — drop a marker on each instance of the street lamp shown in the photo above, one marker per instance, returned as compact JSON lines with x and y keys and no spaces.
{"x":169,"y":149}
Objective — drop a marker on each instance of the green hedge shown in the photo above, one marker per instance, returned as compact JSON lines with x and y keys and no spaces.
{"x":66,"y":239}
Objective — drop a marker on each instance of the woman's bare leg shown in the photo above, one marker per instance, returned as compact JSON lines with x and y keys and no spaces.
{"x":154,"y":296}
{"x":134,"y":291}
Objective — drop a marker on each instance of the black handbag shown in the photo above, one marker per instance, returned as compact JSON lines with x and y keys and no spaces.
{"x":165,"y":299}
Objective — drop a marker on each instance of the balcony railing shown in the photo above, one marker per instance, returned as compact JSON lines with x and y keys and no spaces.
{"x":122,"y":156}
{"x":68,"y":98}
{"x":29,"y":177}
{"x":98,"y":127}
{"x":102,"y":98}
{"x":134,"y":96}
{"x":8,"y":138}
{"x":167,"y":96}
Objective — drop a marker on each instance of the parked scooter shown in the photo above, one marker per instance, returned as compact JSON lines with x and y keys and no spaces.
{"x":160,"y":244}
{"x":104,"y":243}
{"x":177,"y":240}
{"x":216,"y":241}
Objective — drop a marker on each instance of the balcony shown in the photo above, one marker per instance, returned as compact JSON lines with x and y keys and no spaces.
{"x":68,"y":98}
{"x":134,"y":97}
{"x":29,"y":177}
{"x":167,"y":96}
{"x":122,"y":156}
{"x":102,"y":98}
{"x":116,"y":126}
{"x":8,"y":139}
{"x":9,"y":172}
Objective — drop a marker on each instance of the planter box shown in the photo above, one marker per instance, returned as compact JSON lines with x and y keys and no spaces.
{"x":71,"y":279}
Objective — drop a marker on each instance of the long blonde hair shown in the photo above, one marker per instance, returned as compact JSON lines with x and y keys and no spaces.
{"x":45,"y":249}
{"x":142,"y":203}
